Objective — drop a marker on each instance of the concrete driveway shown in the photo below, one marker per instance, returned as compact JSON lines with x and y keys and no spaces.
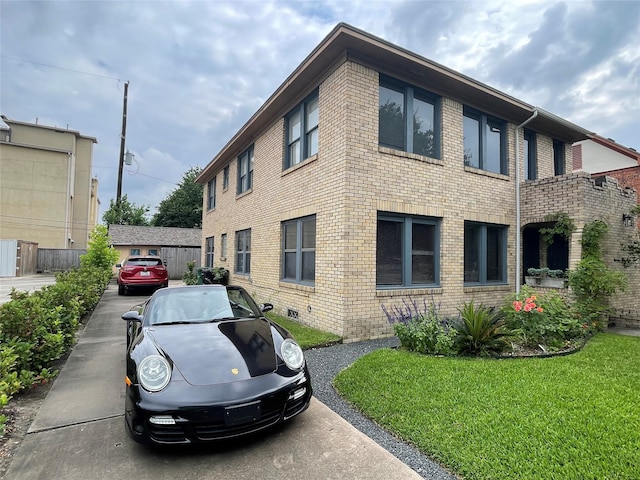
{"x":79,"y":432}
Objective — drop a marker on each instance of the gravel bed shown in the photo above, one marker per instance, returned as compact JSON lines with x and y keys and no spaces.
{"x":325,"y":363}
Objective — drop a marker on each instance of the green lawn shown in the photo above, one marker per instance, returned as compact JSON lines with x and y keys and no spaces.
{"x":305,"y":336}
{"x":571,"y":417}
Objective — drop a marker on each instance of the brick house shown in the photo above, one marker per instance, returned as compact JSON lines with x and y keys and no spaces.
{"x":332,"y":201}
{"x":604,"y":157}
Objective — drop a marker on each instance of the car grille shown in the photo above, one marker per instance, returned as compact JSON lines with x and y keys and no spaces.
{"x":202,"y":426}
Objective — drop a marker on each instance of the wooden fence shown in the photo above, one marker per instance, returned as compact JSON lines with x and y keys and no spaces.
{"x":177,"y":258}
{"x":58,"y":259}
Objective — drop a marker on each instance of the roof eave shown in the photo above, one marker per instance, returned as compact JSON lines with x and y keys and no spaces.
{"x":346,"y":42}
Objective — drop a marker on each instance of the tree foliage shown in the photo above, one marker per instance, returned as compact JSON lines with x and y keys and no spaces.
{"x":100,"y":253}
{"x":125,"y":213}
{"x":183,"y":206}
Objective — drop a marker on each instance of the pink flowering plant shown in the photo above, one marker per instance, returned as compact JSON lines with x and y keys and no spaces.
{"x":545,"y":320}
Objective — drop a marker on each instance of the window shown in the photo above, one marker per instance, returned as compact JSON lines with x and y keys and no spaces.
{"x":211,"y":194}
{"x":208,"y":261}
{"x":530,"y":155}
{"x":416,"y":133}
{"x":153,"y":251}
{"x":243,"y":251}
{"x":225,"y":178}
{"x":299,"y":250}
{"x":484,"y":142}
{"x":407,"y":251}
{"x":223,"y":246}
{"x":134,"y":251}
{"x":558,"y":158}
{"x":245,"y":170}
{"x":302,"y":131}
{"x":485,"y":253}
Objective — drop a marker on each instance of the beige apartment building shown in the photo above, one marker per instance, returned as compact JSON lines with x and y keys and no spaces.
{"x":374,"y":176}
{"x":47,"y":195}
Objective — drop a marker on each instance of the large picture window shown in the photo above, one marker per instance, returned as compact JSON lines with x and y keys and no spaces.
{"x":408,"y":119}
{"x":243,"y":252}
{"x":485,"y":253}
{"x":302,"y":131}
{"x":299,"y":250}
{"x":245,"y":170}
{"x":485,"y":142}
{"x":407,"y":251}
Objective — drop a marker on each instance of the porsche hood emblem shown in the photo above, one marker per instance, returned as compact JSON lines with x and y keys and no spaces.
{"x":235,"y":371}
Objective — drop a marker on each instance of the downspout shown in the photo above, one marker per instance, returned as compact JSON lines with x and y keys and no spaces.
{"x":518,"y":233}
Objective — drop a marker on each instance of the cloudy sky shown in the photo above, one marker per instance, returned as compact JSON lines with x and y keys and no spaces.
{"x":197,"y":70}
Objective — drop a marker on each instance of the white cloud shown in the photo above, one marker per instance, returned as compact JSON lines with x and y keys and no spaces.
{"x":198,"y":70}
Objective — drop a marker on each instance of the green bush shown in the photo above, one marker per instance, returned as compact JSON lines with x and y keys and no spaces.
{"x":421,"y":329}
{"x":481,"y":331}
{"x":189,"y":277}
{"x":593,"y":282}
{"x":545,"y":319}
{"x":38,"y":328}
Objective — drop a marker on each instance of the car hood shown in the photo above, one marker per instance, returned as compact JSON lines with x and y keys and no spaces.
{"x":221,"y":352}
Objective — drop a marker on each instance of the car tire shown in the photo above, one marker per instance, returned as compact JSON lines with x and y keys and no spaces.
{"x":121,"y":290}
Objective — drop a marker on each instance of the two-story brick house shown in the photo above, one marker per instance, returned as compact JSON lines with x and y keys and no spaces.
{"x":374,"y":175}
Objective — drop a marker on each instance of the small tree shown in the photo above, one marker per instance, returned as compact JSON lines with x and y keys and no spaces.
{"x":100,"y":254}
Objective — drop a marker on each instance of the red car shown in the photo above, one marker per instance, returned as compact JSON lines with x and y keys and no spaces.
{"x":142,"y":272}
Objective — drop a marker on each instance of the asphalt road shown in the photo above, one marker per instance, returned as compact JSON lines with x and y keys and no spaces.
{"x":79,"y":431}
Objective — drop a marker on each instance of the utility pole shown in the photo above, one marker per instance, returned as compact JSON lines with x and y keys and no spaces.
{"x":122,"y":142}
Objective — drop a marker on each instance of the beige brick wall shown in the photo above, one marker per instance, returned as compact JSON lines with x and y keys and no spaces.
{"x":584,"y":200}
{"x":345,"y":185}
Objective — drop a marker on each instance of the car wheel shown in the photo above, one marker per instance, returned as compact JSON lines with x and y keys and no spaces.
{"x":121,"y":290}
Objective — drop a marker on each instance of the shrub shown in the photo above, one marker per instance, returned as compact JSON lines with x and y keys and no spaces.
{"x":481,"y":331}
{"x":592,"y":282}
{"x":421,"y":330}
{"x":541,"y":319}
{"x":189,"y":277}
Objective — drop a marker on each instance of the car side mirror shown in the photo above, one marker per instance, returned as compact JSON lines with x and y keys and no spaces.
{"x":266,"y":307}
{"x":164,"y":262}
{"x":132,"y":316}
{"x":118,"y":265}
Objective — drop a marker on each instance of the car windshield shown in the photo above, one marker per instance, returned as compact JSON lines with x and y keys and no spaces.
{"x":144,"y":262}
{"x":198,"y":305}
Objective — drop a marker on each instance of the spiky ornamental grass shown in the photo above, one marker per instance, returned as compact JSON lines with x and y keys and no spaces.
{"x":566,"y":417}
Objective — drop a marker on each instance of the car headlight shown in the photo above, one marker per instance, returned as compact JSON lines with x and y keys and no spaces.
{"x":154,"y":373}
{"x":292,"y":354}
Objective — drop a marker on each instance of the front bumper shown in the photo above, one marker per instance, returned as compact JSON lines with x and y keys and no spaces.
{"x":155,"y":423}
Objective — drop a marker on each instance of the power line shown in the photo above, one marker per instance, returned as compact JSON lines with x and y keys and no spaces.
{"x":138,"y":173}
{"x":59,"y":68}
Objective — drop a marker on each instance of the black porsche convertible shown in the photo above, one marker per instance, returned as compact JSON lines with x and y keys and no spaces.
{"x":204,"y":364}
